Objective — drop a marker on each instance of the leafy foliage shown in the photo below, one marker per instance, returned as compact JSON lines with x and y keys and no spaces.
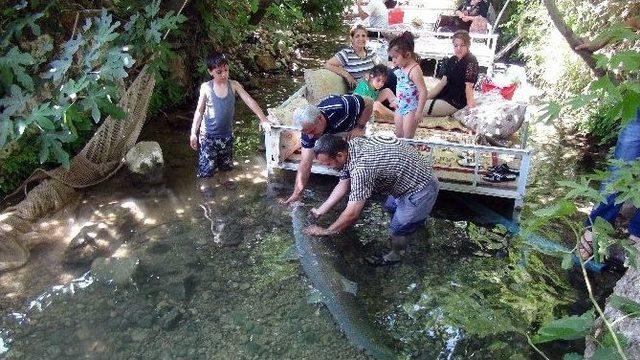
{"x":615,"y":97}
{"x":82,"y":79}
{"x":627,"y":306}
{"x":566,"y":328}
{"x":562,"y":217}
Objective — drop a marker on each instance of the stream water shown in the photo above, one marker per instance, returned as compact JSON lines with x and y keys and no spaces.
{"x":463,"y":291}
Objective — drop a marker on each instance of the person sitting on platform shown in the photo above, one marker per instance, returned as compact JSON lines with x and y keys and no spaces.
{"x":333,"y":115}
{"x":353,"y":62}
{"x":455,"y":90}
{"x":377,"y":165}
{"x":470,"y":16}
{"x":372,"y":88}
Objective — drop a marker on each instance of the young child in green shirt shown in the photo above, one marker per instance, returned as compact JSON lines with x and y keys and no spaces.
{"x":370,"y":87}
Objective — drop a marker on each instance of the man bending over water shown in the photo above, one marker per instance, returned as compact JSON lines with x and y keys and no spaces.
{"x":336,"y":114}
{"x":377,"y":165}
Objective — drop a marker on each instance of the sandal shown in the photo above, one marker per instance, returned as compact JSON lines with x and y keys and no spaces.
{"x":495,"y":177}
{"x":377,"y":260}
{"x":503,"y":169}
{"x":585,"y":250}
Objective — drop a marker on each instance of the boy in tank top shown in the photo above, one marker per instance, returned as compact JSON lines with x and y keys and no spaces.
{"x":212,"y":127}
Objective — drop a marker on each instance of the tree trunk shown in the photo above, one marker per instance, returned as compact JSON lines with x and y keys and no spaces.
{"x":571,"y":38}
{"x":257,"y":16}
{"x":508,"y":47}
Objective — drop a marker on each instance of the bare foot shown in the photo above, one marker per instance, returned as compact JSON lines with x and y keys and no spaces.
{"x":585,"y":248}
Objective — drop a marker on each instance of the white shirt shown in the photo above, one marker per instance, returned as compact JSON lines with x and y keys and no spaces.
{"x":378,"y":14}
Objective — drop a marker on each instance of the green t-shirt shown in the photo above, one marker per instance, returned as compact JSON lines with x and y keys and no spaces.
{"x":363,"y":88}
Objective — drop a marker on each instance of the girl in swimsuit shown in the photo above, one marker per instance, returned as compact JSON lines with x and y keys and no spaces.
{"x":411,"y":91}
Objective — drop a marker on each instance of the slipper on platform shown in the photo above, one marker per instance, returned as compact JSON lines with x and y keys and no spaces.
{"x":503,"y":169}
{"x":495,"y":177}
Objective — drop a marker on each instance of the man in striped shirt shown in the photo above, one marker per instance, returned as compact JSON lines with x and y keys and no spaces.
{"x":334,"y":115}
{"x":377,"y":165}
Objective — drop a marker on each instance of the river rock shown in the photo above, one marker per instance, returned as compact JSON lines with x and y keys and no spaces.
{"x":12,"y":253}
{"x":145,"y":163}
{"x":91,"y":242}
{"x":118,"y":269}
{"x":171,"y":319}
{"x":265,"y":62}
{"x":629,"y":327}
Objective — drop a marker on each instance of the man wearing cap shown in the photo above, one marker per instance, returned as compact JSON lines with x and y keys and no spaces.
{"x":335,"y":114}
{"x":377,"y":165}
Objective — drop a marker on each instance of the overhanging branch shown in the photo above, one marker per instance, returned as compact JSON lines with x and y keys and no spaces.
{"x":571,"y":38}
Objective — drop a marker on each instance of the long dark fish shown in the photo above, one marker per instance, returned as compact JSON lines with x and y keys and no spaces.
{"x":322,"y":264}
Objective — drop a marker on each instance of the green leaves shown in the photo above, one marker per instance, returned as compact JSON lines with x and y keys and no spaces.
{"x":15,"y":28}
{"x":602,"y":238}
{"x":572,"y":356}
{"x":559,"y":209}
{"x":42,"y":115}
{"x":625,"y":305}
{"x":15,"y":61}
{"x":629,"y":59}
{"x":15,"y":102}
{"x":59,"y":67}
{"x":550,"y":111}
{"x":582,"y":190}
{"x":566,"y":328}
{"x":567,"y":261}
{"x":105,"y":28}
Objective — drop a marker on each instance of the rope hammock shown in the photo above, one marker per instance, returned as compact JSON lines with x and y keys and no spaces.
{"x":100,"y":158}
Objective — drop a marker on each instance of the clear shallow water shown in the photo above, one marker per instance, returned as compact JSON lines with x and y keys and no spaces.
{"x":191,"y":298}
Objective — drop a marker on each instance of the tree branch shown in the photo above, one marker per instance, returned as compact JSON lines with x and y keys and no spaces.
{"x":261,"y":12}
{"x":571,"y":38}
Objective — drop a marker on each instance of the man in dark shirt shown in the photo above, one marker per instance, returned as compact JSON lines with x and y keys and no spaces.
{"x":466,"y":13}
{"x":378,"y":165}
{"x":333,"y":115}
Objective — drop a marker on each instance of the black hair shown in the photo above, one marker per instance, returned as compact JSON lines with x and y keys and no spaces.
{"x":330,"y":145}
{"x":216,"y":60}
{"x":352,"y":32}
{"x":462,"y":35}
{"x":378,"y":70}
{"x":390,"y":4}
{"x":403,"y":43}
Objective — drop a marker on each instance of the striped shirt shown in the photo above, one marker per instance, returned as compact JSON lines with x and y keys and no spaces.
{"x":341,"y":112}
{"x":384,"y":165}
{"x":353,"y":64}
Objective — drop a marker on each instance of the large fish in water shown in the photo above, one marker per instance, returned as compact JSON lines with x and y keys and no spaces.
{"x":325,"y":268}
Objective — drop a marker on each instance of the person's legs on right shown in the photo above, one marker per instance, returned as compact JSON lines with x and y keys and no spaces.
{"x":438,"y":107}
{"x":627,"y":149}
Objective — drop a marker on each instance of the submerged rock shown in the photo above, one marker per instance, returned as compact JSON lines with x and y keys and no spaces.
{"x":118,"y":269}
{"x":91,"y":242}
{"x":145,"y":163}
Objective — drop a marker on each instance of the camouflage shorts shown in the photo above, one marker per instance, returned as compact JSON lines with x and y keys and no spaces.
{"x":214,"y":153}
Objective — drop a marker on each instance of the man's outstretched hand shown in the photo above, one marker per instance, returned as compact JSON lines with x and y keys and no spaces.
{"x":316,"y":230}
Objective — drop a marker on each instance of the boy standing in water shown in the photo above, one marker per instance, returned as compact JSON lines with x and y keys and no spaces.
{"x":213,"y":136}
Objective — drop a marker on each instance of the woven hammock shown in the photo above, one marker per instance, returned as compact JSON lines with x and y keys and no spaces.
{"x":99,"y":159}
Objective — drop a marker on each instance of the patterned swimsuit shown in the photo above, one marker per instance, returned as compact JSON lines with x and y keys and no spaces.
{"x":406,"y":91}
